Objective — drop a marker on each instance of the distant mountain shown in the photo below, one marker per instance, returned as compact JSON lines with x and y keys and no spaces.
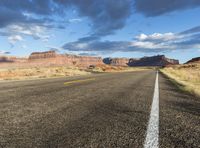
{"x":5,"y":59}
{"x":116,"y":61}
{"x":194,"y":60}
{"x":49,"y":58}
{"x":159,"y":60}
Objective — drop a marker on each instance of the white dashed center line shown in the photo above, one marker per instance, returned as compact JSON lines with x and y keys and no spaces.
{"x":152,"y":136}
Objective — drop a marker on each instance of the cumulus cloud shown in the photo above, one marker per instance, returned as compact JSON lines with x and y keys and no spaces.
{"x":31,"y":17}
{"x":116,"y":46}
{"x":16,"y":32}
{"x":20,"y":18}
{"x":16,"y":11}
{"x":106,"y":16}
{"x":157,"y":37}
{"x":168,"y":41}
{"x":159,"y":7}
{"x":95,"y":46}
{"x":156,"y":42}
{"x":14,"y":38}
{"x":35,"y":31}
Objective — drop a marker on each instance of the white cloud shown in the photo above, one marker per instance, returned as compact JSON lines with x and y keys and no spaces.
{"x":17,"y":31}
{"x":157,"y":36}
{"x":141,"y":37}
{"x":149,"y":45}
{"x":14,"y":38}
{"x":81,"y":45}
{"x":31,"y":30}
{"x":75,"y":20}
{"x":144,"y":44}
{"x":166,"y":41}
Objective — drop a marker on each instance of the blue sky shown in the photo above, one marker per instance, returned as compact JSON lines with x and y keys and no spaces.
{"x":122,"y":28}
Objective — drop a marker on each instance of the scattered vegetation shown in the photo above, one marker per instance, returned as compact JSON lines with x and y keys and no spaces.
{"x":109,"y":68}
{"x":42,"y":72}
{"x":61,"y":71}
{"x":187,"y":75}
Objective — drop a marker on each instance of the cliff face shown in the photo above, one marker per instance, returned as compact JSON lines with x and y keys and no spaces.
{"x":119,"y":61}
{"x":51,"y":58}
{"x":6,"y":59}
{"x":82,"y":60}
{"x":107,"y":60}
{"x":116,"y":61}
{"x":42,"y":55}
{"x":197,"y":59}
{"x":159,"y":60}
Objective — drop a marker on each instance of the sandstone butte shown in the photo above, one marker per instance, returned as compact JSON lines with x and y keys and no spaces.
{"x":116,"y":61}
{"x":194,"y":60}
{"x":51,"y":58}
{"x":159,"y":60}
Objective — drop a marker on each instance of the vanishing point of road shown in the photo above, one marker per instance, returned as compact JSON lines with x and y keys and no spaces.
{"x":130,"y":109}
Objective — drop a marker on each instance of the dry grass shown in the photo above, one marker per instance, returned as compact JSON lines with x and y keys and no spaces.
{"x":42,"y":72}
{"x":109,"y":68}
{"x":188,"y":75}
{"x":57,"y":71}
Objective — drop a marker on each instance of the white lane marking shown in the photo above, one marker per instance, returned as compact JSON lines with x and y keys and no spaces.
{"x":152,"y":136}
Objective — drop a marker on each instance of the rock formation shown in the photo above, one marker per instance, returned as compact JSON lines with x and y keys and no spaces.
{"x":52,"y":58}
{"x":107,"y":60}
{"x":194,"y":60}
{"x":6,"y":59}
{"x":116,"y":61}
{"x":159,"y":60}
{"x":119,"y":61}
{"x":11,"y":59}
{"x":42,"y":55}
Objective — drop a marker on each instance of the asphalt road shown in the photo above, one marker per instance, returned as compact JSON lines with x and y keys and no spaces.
{"x":103,"y":110}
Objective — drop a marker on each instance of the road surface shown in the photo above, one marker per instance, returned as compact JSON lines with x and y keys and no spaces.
{"x":103,"y":110}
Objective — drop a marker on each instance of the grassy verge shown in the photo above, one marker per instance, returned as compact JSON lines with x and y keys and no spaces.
{"x":186,"y":77}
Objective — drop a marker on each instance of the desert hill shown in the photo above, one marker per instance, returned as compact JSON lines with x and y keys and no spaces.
{"x":159,"y":60}
{"x":194,"y":60}
{"x":51,"y":58}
